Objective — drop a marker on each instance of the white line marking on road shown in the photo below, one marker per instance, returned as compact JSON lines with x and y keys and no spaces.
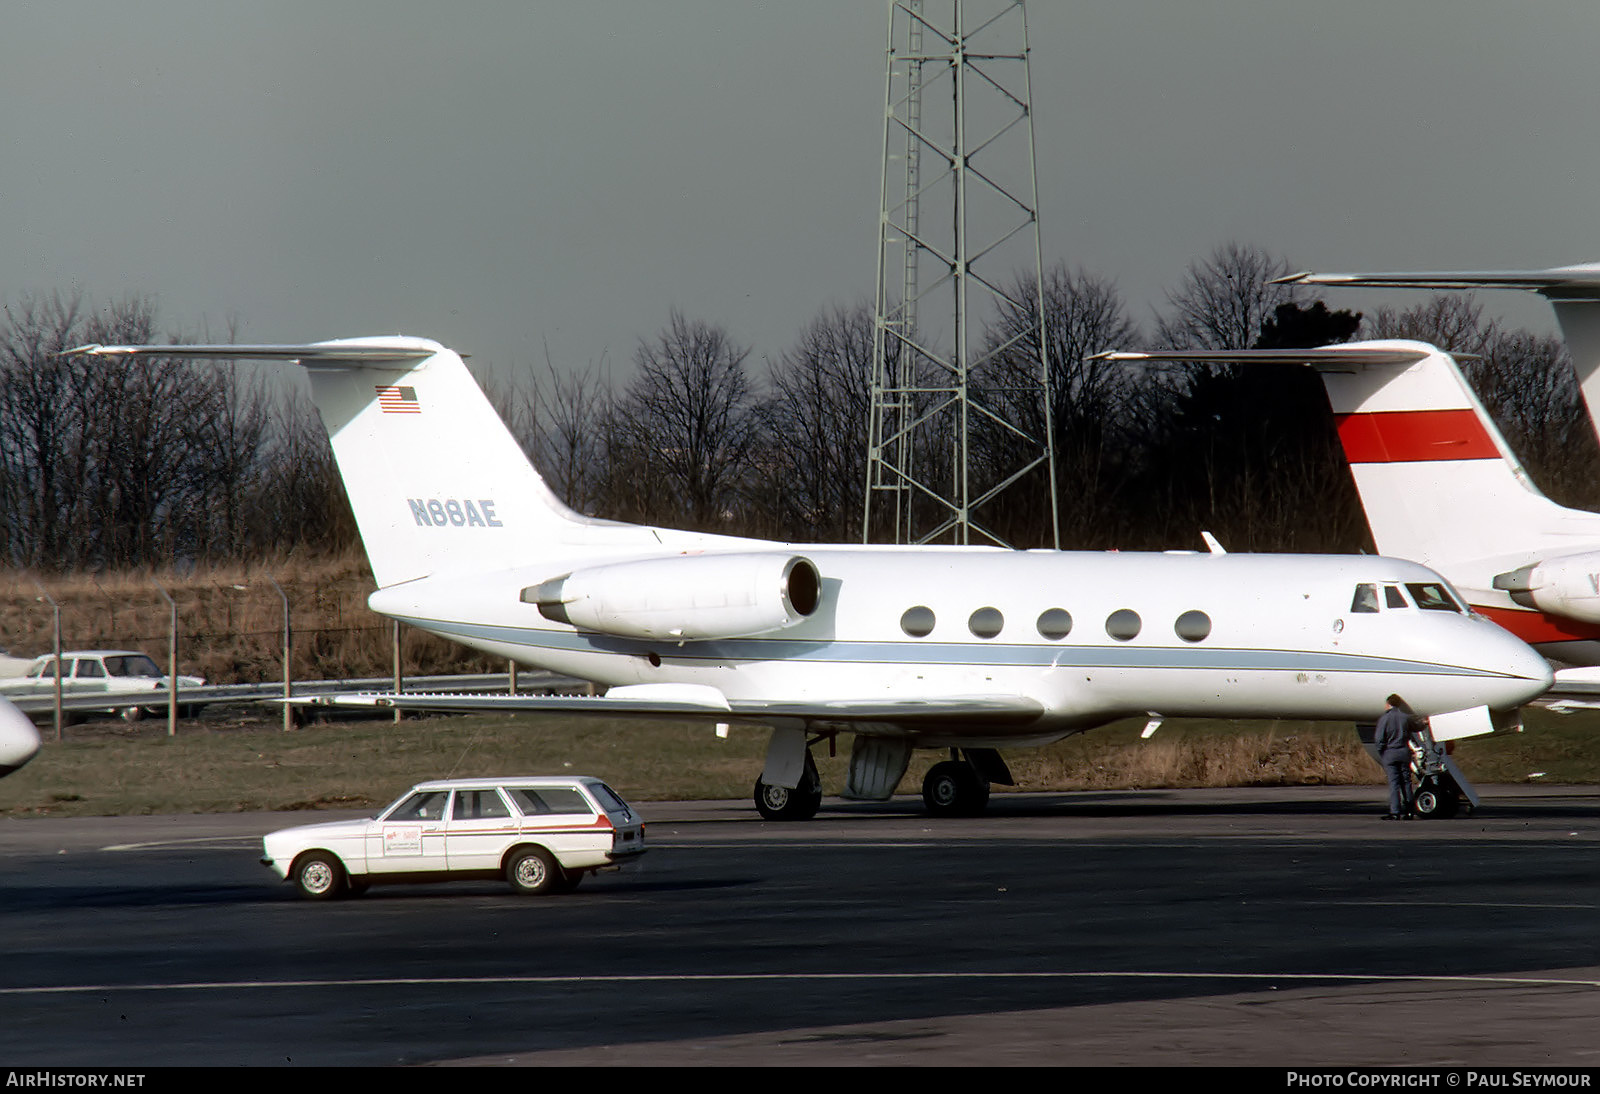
{"x":822,"y":977}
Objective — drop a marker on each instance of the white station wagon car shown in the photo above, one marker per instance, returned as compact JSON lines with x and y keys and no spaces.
{"x":540,"y":834}
{"x":86,"y":672}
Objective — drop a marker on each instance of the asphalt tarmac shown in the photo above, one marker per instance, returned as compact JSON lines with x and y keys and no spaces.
{"x":1281,"y":927}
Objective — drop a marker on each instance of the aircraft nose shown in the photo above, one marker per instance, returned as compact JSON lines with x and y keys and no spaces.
{"x":19,"y":740}
{"x":1528,"y":675}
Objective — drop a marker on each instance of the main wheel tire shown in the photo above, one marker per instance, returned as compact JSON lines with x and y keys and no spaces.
{"x":132,"y":714}
{"x":954,"y":789}
{"x":320,"y":876}
{"x":779,"y":803}
{"x":533,"y":870}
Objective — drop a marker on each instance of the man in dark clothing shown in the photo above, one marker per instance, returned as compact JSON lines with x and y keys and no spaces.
{"x":1393,"y":738}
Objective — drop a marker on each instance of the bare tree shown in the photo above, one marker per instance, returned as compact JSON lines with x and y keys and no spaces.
{"x":683,"y":433}
{"x":814,"y":430}
{"x":1247,"y":447}
{"x":1224,"y":299}
{"x":575,"y":412}
{"x":1089,"y":400}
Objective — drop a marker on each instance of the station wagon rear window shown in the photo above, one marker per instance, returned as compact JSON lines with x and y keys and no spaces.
{"x":549,"y":799}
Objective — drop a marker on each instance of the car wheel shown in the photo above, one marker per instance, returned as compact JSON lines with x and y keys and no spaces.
{"x":319,"y":876}
{"x":131,"y":714}
{"x":532,"y":870}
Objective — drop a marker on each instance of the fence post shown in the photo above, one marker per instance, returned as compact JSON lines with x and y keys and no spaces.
{"x":172,"y":660}
{"x":55,"y":610}
{"x":288,"y":643}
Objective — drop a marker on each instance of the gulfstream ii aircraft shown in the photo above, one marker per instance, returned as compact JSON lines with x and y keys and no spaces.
{"x":962,"y":648}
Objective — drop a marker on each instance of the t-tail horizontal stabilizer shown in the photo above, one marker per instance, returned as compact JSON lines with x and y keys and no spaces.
{"x":436,"y":481}
{"x":1574,"y":292}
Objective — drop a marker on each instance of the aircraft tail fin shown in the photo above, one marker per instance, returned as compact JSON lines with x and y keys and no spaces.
{"x":1436,"y":478}
{"x":436,"y":480}
{"x":1574,"y":292}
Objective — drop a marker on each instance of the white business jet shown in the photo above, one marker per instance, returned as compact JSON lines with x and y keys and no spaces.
{"x":19,"y":739}
{"x":961,"y":648}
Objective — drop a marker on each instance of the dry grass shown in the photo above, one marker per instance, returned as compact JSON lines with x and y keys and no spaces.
{"x":230,"y":620}
{"x":232,"y":765}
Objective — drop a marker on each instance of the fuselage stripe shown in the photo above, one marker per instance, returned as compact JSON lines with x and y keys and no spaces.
{"x":973,"y":655}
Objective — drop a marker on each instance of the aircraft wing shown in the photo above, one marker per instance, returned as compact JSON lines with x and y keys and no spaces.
{"x":973,"y":710}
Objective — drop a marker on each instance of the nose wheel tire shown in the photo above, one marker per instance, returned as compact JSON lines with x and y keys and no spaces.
{"x":1437,"y":803}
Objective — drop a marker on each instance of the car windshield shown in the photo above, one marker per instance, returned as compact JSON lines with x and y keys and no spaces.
{"x":423,"y":805}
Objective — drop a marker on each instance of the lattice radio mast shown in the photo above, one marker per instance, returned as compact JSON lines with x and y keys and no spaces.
{"x":958,"y":237}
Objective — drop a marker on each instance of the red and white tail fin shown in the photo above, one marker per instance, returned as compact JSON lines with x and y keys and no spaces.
{"x":1574,"y":292}
{"x":1436,"y":478}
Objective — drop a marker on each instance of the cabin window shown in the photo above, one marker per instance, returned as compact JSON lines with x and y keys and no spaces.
{"x":917,"y":622}
{"x":1433,"y":597}
{"x":1393,"y":597}
{"x":1055,"y":623}
{"x":986,"y":622}
{"x":1193,"y":626}
{"x":1366,"y":599}
{"x":1123,"y":624}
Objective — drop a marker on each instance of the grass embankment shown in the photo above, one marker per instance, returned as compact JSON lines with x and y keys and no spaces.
{"x":230,"y":620}
{"x":216,"y":766}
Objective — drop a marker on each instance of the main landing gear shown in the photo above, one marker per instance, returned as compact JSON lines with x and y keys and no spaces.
{"x":959,"y":786}
{"x":954,"y":788}
{"x":779,"y":803}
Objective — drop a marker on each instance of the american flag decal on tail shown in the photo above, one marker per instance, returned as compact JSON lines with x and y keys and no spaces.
{"x":398,"y":400}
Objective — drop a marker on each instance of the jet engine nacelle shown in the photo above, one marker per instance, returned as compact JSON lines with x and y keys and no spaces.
{"x":1568,"y":586}
{"x":685,"y":597}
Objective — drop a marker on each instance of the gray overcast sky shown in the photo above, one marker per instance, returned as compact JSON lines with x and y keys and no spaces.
{"x":501,"y":176}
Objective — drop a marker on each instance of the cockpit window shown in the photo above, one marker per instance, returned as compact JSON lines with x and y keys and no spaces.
{"x":1366,"y":599}
{"x":1432,"y":596}
{"x":1393,"y":597}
